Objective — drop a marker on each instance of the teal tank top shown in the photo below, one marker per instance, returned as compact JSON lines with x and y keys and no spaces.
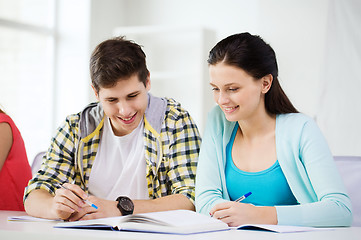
{"x":269,"y":187}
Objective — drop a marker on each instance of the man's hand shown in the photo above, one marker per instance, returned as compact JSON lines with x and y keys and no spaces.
{"x":106,"y":208}
{"x":68,"y":200}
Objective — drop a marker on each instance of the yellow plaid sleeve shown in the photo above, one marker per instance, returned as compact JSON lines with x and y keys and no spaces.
{"x":184,"y":146}
{"x":58,"y":163}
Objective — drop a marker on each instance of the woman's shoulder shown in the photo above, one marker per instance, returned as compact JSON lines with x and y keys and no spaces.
{"x":5,"y":128}
{"x":295,"y":124}
{"x":6,"y":133}
{"x":8,"y":123}
{"x":294,"y":118}
{"x":5,"y":118}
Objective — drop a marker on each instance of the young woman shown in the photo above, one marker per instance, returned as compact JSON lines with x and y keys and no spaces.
{"x":256,"y":141}
{"x":15,"y":171}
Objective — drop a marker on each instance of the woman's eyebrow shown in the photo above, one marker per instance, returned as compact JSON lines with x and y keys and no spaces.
{"x":226,"y":85}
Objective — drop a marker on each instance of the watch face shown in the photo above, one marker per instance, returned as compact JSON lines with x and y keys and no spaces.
{"x":126,"y":204}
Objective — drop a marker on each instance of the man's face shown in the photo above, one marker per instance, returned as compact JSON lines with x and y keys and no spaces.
{"x":125,"y":103}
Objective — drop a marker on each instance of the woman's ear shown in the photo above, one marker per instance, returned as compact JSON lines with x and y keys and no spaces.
{"x":266,"y":83}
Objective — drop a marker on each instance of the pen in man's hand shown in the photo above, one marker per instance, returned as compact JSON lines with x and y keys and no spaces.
{"x":243,"y":197}
{"x":85,"y":200}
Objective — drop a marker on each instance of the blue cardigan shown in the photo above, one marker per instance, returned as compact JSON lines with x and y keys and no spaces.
{"x":305,"y":159}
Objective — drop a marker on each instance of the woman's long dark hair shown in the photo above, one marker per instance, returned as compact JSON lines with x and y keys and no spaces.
{"x":257,"y":58}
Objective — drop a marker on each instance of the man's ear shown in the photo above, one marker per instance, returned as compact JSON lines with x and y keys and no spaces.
{"x":147,"y":83}
{"x":95,"y":92}
{"x":266,"y":83}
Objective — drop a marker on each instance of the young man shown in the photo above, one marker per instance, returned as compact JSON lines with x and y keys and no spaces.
{"x":129,"y":153}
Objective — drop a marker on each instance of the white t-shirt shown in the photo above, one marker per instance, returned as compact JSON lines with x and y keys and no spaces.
{"x":119,"y":167}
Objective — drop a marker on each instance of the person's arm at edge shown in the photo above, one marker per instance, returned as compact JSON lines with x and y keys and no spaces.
{"x":6,"y":141}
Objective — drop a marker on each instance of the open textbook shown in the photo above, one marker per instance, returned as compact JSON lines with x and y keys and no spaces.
{"x":174,"y":222}
{"x":27,"y":218}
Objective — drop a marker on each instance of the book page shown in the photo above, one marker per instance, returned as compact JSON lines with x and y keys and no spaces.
{"x":176,"y":218}
{"x":27,"y":218}
{"x":277,"y":228}
{"x":175,"y":221}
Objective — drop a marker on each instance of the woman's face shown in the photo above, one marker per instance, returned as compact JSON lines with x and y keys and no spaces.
{"x":240,"y":96}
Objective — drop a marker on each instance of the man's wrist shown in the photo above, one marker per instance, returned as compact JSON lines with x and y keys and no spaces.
{"x":125,"y":205}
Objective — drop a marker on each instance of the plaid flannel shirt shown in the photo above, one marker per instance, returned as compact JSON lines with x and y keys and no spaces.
{"x":172,"y":144}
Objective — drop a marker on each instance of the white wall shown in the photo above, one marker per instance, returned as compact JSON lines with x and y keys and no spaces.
{"x":71,"y":54}
{"x":297,"y":30}
{"x":105,"y":16}
{"x":339,"y":108}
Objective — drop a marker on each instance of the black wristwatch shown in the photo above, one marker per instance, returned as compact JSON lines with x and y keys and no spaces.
{"x":125,"y":205}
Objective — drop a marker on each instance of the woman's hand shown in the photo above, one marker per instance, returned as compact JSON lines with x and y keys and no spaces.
{"x":236,"y":213}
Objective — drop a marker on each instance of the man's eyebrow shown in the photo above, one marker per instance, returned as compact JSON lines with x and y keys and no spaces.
{"x":132,"y":93}
{"x":110,"y":98}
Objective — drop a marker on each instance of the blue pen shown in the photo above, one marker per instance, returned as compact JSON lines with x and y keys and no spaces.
{"x":85,"y":200}
{"x":243,"y":197}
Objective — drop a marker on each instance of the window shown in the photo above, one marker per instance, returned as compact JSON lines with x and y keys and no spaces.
{"x":44,"y":56}
{"x":35,"y":12}
{"x":26,"y":68}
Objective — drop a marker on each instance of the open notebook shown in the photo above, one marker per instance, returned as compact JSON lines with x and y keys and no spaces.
{"x":175,"y":222}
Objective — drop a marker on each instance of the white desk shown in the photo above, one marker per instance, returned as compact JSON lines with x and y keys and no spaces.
{"x":14,"y":230}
